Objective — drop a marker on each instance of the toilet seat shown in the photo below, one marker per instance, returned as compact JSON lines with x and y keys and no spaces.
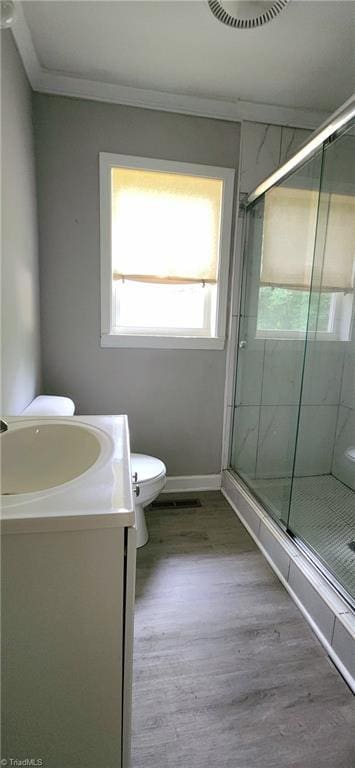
{"x":148,"y":468}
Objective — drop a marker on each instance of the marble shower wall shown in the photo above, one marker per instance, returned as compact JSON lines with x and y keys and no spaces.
{"x":343,"y":180}
{"x":267,"y":404}
{"x":343,"y":468}
{"x":269,"y":384}
{"x":264,"y":148}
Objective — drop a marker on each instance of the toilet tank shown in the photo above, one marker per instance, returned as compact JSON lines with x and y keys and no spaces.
{"x":50,"y":405}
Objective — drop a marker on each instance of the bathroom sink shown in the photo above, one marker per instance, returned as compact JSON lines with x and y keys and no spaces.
{"x":39,"y":456}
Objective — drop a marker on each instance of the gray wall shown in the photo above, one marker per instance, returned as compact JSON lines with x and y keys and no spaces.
{"x":173,"y":398}
{"x":20,"y":344}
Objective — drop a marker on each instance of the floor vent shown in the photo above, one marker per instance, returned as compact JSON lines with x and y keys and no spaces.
{"x":175,"y":504}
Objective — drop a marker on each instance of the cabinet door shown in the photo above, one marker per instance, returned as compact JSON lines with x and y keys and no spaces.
{"x":62,"y":614}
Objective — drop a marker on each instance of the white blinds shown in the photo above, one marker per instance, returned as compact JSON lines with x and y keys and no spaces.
{"x":165,"y":226}
{"x":339,"y":252}
{"x":290,"y":218}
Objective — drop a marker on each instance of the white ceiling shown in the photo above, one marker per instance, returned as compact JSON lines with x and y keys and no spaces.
{"x":305,"y":58}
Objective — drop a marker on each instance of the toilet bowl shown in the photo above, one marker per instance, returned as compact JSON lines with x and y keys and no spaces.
{"x":149,"y":474}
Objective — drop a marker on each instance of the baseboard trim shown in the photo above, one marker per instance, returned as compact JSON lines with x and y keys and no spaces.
{"x":330,"y":618}
{"x":183,"y":483}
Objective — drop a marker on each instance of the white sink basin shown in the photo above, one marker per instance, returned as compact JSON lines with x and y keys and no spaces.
{"x":38,"y":456}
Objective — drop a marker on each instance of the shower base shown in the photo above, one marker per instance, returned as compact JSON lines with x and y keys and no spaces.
{"x":322,"y":514}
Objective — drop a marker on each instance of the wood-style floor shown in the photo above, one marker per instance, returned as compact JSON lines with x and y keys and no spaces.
{"x":227,"y":674}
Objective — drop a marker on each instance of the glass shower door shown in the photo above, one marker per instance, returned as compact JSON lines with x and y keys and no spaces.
{"x":278,"y":261}
{"x":322,"y":510}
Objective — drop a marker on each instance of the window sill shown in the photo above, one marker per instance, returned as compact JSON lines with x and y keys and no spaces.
{"x":161,"y":342}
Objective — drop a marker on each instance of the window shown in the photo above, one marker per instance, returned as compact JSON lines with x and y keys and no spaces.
{"x":165,"y":243}
{"x":287,"y":268}
{"x":283,"y":313}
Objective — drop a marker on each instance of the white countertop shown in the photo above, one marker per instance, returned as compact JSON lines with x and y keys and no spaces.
{"x":99,"y":498}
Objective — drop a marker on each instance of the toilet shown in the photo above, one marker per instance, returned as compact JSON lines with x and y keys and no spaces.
{"x":148,"y":473}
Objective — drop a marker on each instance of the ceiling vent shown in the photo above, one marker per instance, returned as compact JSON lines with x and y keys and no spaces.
{"x":246,"y":14}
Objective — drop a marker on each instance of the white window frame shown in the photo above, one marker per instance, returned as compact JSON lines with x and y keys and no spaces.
{"x":109,"y":338}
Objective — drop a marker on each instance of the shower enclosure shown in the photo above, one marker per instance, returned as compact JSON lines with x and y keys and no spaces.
{"x":293,"y":436}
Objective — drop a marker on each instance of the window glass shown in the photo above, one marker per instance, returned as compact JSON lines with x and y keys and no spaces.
{"x":287,"y":310}
{"x":162,"y":306}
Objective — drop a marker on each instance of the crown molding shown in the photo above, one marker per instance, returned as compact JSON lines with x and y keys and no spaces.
{"x":57,"y":83}
{"x":238,"y":111}
{"x":23,"y":39}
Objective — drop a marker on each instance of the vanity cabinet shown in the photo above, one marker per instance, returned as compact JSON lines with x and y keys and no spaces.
{"x":67,"y":623}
